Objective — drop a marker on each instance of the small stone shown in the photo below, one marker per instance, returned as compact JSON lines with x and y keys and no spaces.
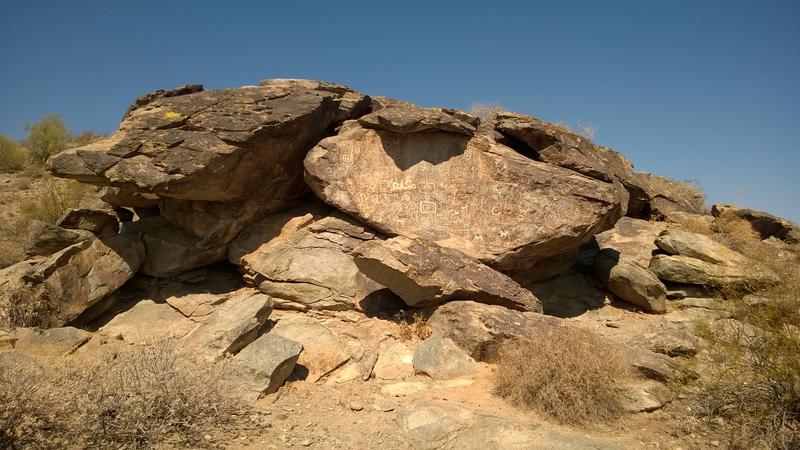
{"x":356,"y":405}
{"x":306,"y":443}
{"x":612,"y":324}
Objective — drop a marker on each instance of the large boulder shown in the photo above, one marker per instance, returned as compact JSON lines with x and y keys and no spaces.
{"x":231,"y":327}
{"x":765,"y":224}
{"x":44,"y":239}
{"x":211,"y":161}
{"x":425,"y":274}
{"x":697,"y":259}
{"x":632,"y":239}
{"x":322,"y":350}
{"x":458,"y":190}
{"x":310,"y":267}
{"x":79,"y":276}
{"x":264,"y":365}
{"x":478,"y":328}
{"x":148,"y":322}
{"x":631,"y":282}
{"x":215,"y":145}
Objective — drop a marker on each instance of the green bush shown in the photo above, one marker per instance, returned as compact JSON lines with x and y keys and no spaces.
{"x":47,"y":137}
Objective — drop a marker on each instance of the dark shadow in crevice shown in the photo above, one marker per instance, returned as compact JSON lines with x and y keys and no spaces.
{"x":530,"y":146}
{"x":382,"y":304}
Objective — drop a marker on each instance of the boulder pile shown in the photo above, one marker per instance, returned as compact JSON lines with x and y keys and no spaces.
{"x":329,"y":200}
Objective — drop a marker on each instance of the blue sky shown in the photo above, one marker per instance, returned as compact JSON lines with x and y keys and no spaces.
{"x":703,"y":90}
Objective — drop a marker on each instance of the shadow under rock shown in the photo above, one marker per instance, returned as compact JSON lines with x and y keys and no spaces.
{"x":407,"y":150}
{"x":569,"y":295}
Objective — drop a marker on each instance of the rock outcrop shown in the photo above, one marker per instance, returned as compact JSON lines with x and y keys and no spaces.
{"x":457,"y":189}
{"x":765,"y":224}
{"x":697,"y":259}
{"x":424,"y":274}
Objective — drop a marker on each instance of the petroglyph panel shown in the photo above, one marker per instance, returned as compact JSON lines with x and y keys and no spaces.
{"x":472,"y":194}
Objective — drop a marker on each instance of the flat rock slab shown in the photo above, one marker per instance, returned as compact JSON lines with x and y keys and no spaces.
{"x":322,"y":350}
{"x":425,"y":274}
{"x":430,"y":424}
{"x":215,"y":145}
{"x":231,"y":327}
{"x":462,"y":192}
{"x":48,"y":343}
{"x":148,"y":322}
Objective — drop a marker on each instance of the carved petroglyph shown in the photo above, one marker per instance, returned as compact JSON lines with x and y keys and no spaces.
{"x":467,"y":193}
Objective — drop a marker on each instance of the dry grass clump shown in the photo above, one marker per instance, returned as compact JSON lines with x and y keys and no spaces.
{"x":485,"y":111}
{"x":13,"y":157}
{"x":754,"y":381}
{"x":413,"y":326}
{"x":564,"y":373}
{"x":142,"y":397}
{"x":23,"y":305}
{"x":52,"y":198}
{"x":687,"y":191}
{"x":45,"y":199}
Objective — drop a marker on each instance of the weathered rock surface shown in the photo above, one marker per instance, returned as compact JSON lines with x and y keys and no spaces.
{"x":265,"y":364}
{"x":477,"y":327}
{"x":231,"y":327}
{"x":322,"y":350}
{"x":80,"y":275}
{"x":679,"y":242}
{"x":436,"y":424}
{"x":44,"y":239}
{"x":148,"y":322}
{"x":631,"y":282}
{"x":395,"y":361}
{"x":312,"y":267}
{"x":170,"y":250}
{"x":96,"y":221}
{"x":217,"y":145}
{"x":49,"y":343}
{"x":632,"y":238}
{"x":764,"y":223}
{"x":440,"y":358}
{"x":698,"y":259}
{"x":412,"y":119}
{"x":462,"y":192}
{"x":559,"y":146}
{"x":424,"y":274}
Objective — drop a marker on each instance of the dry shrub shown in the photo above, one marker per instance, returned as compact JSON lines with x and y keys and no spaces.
{"x":52,"y":198}
{"x":142,"y":397}
{"x":13,"y":157}
{"x":23,"y":305}
{"x":567,"y":374}
{"x":485,"y":111}
{"x":589,"y":131}
{"x":754,"y":381}
{"x":413,"y":326}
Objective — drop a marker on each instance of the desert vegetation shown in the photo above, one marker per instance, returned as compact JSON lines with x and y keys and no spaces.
{"x":564,"y":373}
{"x":753,"y":380}
{"x":139,"y":397}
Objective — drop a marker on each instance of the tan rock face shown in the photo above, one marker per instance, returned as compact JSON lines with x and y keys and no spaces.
{"x":424,"y":274}
{"x":462,"y":192}
{"x":312,"y":267}
{"x":80,"y":275}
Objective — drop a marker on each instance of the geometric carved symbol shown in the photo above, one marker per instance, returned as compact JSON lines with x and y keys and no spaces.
{"x":427,"y":207}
